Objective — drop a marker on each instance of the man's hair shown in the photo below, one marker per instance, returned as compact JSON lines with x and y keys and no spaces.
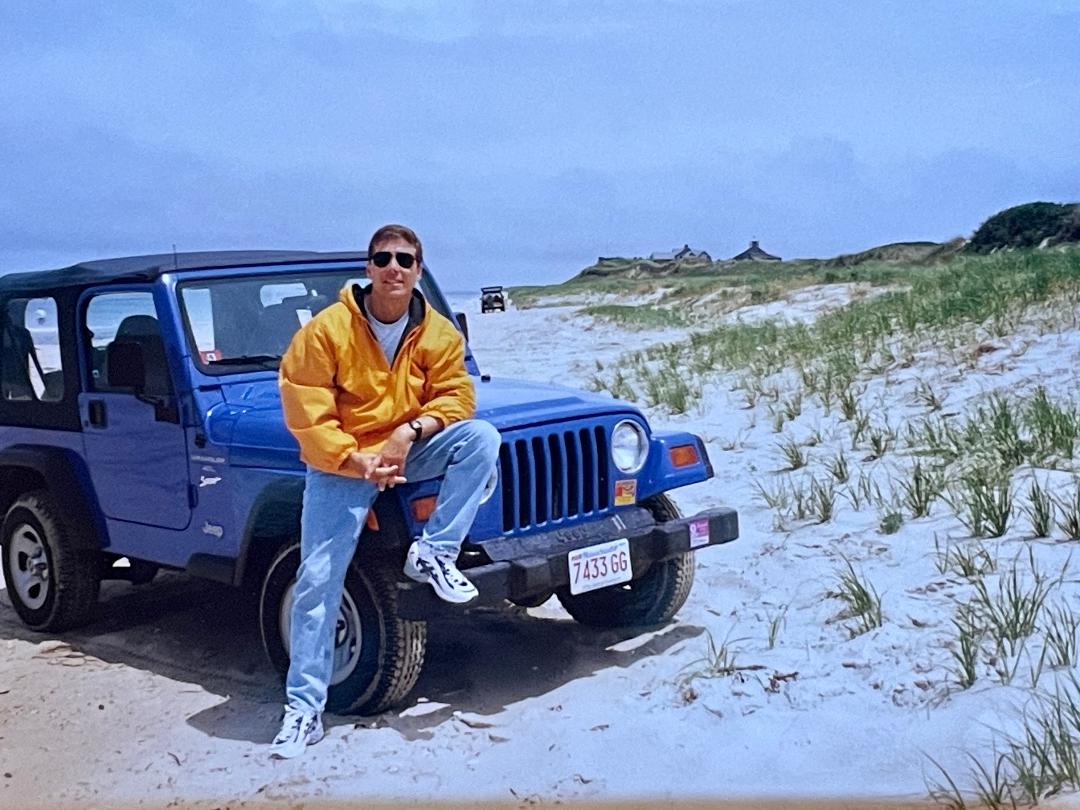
{"x":397,"y":232}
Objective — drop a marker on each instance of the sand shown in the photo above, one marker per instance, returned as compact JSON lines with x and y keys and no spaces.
{"x":167,"y":696}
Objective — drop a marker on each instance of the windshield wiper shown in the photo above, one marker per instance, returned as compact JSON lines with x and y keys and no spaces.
{"x":264,"y":360}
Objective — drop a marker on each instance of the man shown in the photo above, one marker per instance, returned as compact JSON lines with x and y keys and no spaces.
{"x":375,"y":390}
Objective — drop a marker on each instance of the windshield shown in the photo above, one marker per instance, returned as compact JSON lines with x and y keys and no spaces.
{"x":245,"y":323}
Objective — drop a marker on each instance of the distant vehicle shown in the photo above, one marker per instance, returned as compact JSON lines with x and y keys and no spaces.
{"x":491,"y":299}
{"x":150,"y":428}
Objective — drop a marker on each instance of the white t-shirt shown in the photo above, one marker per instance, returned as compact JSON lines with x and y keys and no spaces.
{"x":388,"y":334}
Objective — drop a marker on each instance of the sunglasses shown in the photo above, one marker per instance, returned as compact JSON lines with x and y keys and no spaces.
{"x":383,"y":257}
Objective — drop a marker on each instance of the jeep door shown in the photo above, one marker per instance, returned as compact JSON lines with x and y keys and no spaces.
{"x":135,"y":445}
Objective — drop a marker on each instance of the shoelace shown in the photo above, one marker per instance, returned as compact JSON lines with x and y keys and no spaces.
{"x":295,"y":723}
{"x":453,"y":576}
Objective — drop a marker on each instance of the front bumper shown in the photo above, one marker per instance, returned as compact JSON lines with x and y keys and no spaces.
{"x":524,"y":567}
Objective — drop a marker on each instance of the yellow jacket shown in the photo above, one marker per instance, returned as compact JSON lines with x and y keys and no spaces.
{"x":340,"y":395}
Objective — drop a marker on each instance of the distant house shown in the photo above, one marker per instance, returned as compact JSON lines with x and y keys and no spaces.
{"x":754,"y":253}
{"x":685,"y":252}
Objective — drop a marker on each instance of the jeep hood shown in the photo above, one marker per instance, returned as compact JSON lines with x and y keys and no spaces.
{"x":250,"y":421}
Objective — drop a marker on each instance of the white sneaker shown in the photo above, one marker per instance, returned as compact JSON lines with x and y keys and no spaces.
{"x":443,"y":575}
{"x":299,"y":729}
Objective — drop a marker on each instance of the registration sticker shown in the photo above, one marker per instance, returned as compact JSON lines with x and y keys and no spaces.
{"x":699,"y":533}
{"x":599,"y":566}
{"x":625,"y":492}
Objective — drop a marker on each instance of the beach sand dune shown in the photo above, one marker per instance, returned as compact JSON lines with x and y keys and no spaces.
{"x":167,"y":696}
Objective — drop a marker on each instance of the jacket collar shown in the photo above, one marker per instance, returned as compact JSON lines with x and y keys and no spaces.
{"x":353,"y":297}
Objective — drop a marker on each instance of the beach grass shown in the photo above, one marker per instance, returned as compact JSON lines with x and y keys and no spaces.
{"x":1000,"y":461}
{"x":952,"y":306}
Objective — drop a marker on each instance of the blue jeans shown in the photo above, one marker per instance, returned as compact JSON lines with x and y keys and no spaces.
{"x":335,"y":508}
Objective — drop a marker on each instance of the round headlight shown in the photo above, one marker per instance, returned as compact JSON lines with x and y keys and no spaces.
{"x":629,"y":446}
{"x":491,"y":485}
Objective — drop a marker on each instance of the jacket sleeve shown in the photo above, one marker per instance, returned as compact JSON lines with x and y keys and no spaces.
{"x":308,"y":398}
{"x":449,"y":394}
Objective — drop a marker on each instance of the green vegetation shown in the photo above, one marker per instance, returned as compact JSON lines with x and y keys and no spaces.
{"x":922,"y":489}
{"x":1011,"y":612}
{"x":719,"y":660}
{"x":906,"y":252}
{"x":983,"y":502}
{"x":992,"y":461}
{"x":995,"y":461}
{"x":637,"y":317}
{"x":968,"y":646}
{"x":1041,"y":761}
{"x":685,"y":282}
{"x":968,"y":561}
{"x":950,"y":305}
{"x":702,"y":288}
{"x":1026,"y":226}
{"x":1039,"y":509}
{"x":1043,"y":758}
{"x":890,"y":523}
{"x":1070,"y":516}
{"x":863,"y":602}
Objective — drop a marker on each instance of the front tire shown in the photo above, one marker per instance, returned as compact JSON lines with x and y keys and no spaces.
{"x":377,"y":655}
{"x":51,"y":565}
{"x":651,"y":599}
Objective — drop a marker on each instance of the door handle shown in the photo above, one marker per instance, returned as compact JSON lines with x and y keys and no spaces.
{"x":98,"y":417}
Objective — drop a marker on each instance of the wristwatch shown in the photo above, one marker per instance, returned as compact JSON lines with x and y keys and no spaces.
{"x":418,"y":430}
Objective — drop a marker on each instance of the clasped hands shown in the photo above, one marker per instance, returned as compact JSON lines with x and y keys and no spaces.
{"x":385,"y":469}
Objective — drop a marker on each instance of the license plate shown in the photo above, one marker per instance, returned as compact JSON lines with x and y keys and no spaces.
{"x":599,"y":566}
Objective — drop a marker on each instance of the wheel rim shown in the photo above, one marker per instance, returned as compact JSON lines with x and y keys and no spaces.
{"x":347,"y":633}
{"x":29,"y":565}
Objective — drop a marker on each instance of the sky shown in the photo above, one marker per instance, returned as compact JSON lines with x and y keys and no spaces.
{"x":521,"y":140}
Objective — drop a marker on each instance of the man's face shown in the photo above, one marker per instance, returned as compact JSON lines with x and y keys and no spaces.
{"x":393,"y":283}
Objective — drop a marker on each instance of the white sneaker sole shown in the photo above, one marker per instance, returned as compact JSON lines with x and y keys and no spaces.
{"x":416,"y":575}
{"x":453,"y":596}
{"x":290,"y":750}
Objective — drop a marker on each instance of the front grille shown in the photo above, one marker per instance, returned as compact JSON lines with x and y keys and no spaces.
{"x":553,"y":477}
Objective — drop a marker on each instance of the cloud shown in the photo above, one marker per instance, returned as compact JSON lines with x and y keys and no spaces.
{"x":534,"y":141}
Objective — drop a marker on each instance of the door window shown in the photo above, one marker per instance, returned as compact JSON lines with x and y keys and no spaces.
{"x":130,"y":317}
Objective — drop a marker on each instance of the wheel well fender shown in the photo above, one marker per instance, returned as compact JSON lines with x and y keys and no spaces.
{"x":25,"y":467}
{"x":274,"y":520}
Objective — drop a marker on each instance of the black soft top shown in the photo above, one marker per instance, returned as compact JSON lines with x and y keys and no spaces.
{"x":145,"y":268}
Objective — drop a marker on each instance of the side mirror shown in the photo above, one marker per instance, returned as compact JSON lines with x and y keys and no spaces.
{"x":462,"y":323}
{"x":126,"y":365}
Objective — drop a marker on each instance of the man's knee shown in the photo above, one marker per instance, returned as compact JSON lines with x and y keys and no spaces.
{"x":486,"y":438}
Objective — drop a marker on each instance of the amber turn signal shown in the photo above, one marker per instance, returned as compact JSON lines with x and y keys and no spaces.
{"x":684,"y":455}
{"x":423,"y":508}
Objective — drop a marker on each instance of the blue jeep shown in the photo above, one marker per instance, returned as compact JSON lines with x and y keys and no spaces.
{"x":141,"y":428}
